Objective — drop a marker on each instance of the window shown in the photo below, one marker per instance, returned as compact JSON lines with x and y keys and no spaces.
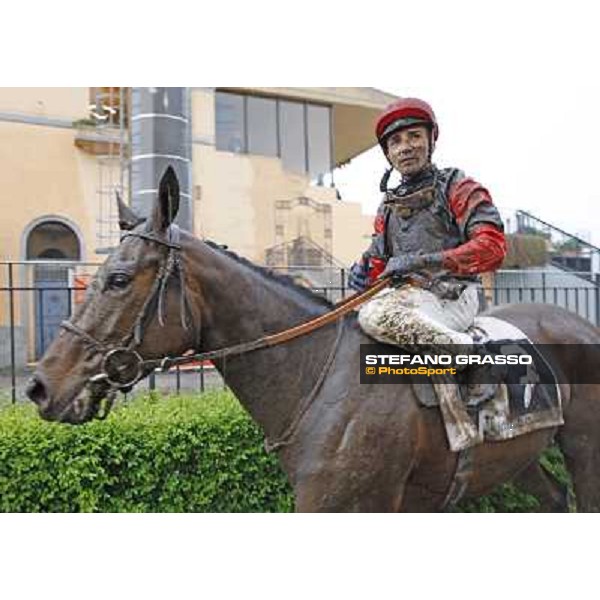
{"x":231,"y":132}
{"x":319,"y":142}
{"x":293,"y":136}
{"x":52,"y":240}
{"x":297,"y":132}
{"x":262,"y":126}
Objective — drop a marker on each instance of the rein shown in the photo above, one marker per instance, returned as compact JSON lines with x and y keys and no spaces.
{"x":122,"y":367}
{"x":342,"y":308}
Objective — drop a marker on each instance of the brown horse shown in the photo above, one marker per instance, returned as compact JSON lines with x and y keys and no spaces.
{"x":344,"y":446}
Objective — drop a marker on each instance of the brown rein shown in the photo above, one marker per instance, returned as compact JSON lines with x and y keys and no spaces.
{"x":341,"y":309}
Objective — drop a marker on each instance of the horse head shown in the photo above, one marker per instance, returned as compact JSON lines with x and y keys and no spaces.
{"x":135,"y":305}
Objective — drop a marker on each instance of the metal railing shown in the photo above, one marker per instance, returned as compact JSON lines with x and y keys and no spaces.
{"x":567,"y":251}
{"x":35,"y":296}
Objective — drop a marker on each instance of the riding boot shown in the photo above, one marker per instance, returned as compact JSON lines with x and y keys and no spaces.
{"x":483,"y":380}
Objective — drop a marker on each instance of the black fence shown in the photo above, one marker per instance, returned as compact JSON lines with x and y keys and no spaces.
{"x":35,"y":297}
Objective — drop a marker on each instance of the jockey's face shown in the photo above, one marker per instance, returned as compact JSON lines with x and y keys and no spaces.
{"x":408,"y":149}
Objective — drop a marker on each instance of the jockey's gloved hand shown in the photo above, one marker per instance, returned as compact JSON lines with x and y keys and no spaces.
{"x":411,"y":262}
{"x":357,"y":278}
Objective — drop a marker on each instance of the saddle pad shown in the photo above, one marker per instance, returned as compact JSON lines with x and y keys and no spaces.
{"x":528,"y":399}
{"x":491,"y":329}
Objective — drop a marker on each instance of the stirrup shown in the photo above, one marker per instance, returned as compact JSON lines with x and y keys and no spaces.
{"x":478,"y":393}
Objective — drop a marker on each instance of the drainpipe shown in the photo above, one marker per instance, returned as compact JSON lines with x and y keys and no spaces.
{"x":160,"y":136}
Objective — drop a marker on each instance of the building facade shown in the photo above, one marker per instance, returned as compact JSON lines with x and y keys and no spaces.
{"x":258,"y":165}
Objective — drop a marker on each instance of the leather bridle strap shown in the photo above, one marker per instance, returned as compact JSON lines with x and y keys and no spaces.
{"x":87,"y":338}
{"x":169,"y":266}
{"x":286,"y":437}
{"x":173,"y":230}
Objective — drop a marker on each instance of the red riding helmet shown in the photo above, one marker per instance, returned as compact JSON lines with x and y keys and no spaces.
{"x":404,"y":113}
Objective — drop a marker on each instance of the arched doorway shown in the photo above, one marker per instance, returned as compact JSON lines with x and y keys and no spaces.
{"x":51,"y":240}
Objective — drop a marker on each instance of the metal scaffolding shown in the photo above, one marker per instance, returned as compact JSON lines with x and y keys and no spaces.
{"x":294,"y":240}
{"x":108,"y":112}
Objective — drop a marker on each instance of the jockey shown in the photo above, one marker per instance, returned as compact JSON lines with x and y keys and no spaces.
{"x":439,"y":225}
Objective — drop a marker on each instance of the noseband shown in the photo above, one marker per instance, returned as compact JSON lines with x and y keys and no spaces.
{"x":122,"y":366}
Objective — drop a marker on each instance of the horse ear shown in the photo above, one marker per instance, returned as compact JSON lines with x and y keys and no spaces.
{"x":167,"y":204}
{"x":127,"y":218}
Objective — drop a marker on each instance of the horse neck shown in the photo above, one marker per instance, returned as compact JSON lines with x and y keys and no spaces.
{"x":238,"y":304}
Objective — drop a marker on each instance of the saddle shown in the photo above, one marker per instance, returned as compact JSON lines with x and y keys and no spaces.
{"x":526,"y":399}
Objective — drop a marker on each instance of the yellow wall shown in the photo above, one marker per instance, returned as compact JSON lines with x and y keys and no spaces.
{"x":67,"y":103}
{"x":235,"y":196}
{"x":44,"y":174}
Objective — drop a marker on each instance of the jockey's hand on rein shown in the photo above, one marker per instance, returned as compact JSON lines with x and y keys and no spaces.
{"x":409,"y":263}
{"x":357,"y":278}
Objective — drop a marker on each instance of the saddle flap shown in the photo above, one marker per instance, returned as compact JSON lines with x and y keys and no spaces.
{"x":526,"y":399}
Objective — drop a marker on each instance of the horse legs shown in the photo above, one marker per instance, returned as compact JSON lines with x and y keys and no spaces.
{"x":579,"y":440}
{"x":538,"y":481}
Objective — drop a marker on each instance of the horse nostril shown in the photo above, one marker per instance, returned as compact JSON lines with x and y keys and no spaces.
{"x":36,"y":391}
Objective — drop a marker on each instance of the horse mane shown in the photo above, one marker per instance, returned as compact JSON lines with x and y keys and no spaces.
{"x":287,"y":280}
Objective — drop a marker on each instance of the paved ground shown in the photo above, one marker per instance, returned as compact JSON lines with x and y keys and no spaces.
{"x":187,"y":382}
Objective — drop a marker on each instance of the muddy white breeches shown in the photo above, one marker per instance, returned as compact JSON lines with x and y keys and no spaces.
{"x":410,"y":315}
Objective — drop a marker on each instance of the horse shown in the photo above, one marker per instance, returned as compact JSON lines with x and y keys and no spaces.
{"x":344,"y":446}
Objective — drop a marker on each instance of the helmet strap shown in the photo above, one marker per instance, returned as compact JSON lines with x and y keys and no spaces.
{"x":431,"y":143}
{"x":383,"y":186}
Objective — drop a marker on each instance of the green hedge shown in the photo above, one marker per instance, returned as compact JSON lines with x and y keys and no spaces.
{"x":525,"y":251}
{"x":199,"y":454}
{"x":188,"y":454}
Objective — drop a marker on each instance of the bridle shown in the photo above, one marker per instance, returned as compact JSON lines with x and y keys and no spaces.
{"x":122,"y":366}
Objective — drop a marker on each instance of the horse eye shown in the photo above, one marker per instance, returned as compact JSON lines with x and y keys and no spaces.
{"x":118,"y":281}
